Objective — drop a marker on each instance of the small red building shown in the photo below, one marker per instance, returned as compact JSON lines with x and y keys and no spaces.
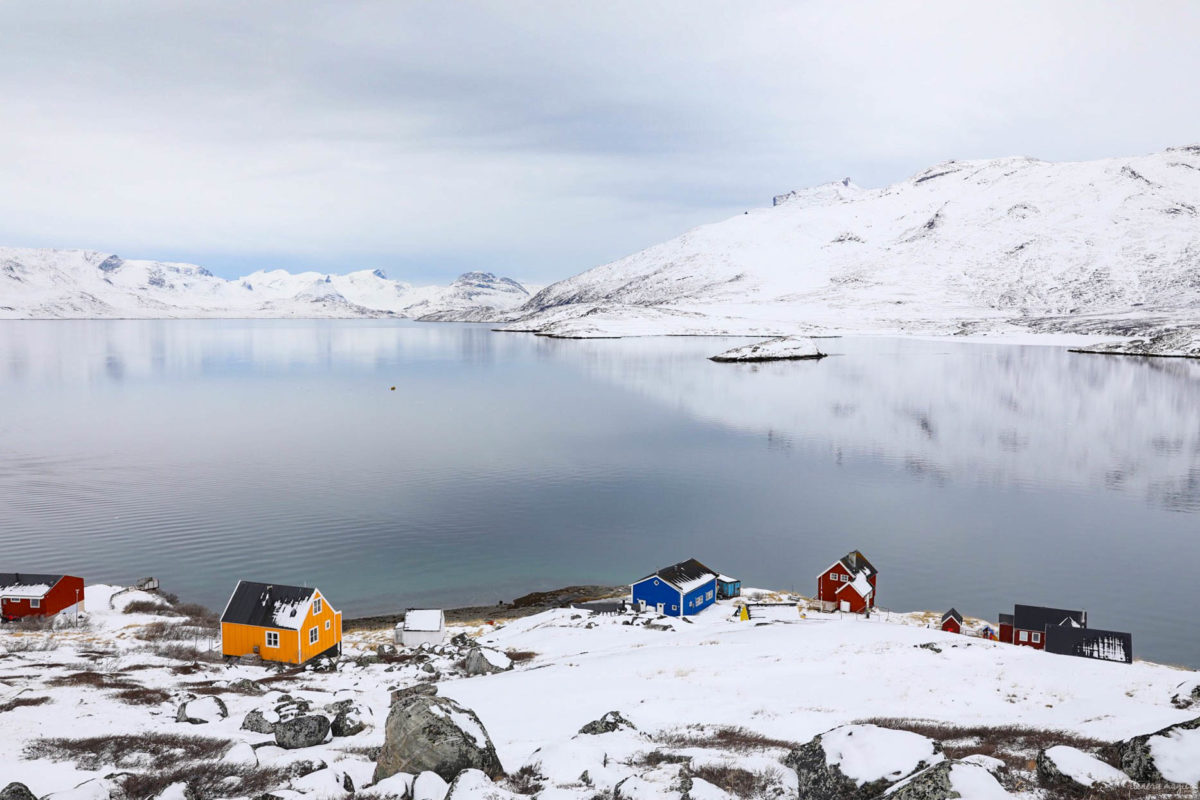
{"x":24,"y":594}
{"x":848,"y":584}
{"x":1028,"y":625}
{"x":952,"y":621}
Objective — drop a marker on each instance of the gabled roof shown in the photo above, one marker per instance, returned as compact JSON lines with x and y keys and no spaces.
{"x":26,"y":584}
{"x":952,"y":614}
{"x":860,"y":585}
{"x":1038,"y":618}
{"x":684,"y":576}
{"x":268,"y":605}
{"x":853,"y":562}
{"x":1006,"y":619}
{"x":424,"y":619}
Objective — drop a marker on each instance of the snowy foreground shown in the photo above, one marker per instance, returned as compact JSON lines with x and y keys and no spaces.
{"x":1008,"y":246}
{"x":707,"y":708}
{"x":84,"y":284}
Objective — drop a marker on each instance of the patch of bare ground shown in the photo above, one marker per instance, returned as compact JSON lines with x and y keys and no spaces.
{"x":157,"y":751}
{"x":520,"y":656}
{"x":96,"y":680}
{"x":143,"y":696}
{"x":741,"y":782}
{"x":722,"y":738}
{"x":23,"y":702}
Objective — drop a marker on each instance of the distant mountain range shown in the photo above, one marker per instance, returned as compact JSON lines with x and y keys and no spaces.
{"x":1108,"y":247}
{"x":63,"y":284}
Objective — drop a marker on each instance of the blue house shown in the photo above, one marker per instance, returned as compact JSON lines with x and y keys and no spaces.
{"x":728,"y":587}
{"x":684,"y":588}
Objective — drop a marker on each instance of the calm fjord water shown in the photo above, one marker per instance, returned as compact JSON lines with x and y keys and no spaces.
{"x":973,"y":475}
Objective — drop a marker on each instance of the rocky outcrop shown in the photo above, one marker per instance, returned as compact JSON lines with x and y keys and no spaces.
{"x":817,"y":763}
{"x":435,"y":734}
{"x":932,"y":784}
{"x":1136,"y":758}
{"x":612,"y":721}
{"x":485,"y":661}
{"x":1068,"y":768}
{"x":16,"y":791}
{"x":307,"y":731}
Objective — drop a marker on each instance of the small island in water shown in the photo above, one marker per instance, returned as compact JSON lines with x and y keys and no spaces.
{"x":781,"y":348}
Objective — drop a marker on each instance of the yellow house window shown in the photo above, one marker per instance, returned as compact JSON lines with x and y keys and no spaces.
{"x":317,"y":606}
{"x":272,"y":638}
{"x":327,"y":624}
{"x":312,"y":635}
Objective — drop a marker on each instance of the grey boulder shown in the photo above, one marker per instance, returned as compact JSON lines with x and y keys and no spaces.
{"x":612,"y":721}
{"x":428,"y":733}
{"x":257,"y":722}
{"x":17,"y":791}
{"x":1136,"y":759}
{"x":307,"y":731}
{"x":199,"y":710}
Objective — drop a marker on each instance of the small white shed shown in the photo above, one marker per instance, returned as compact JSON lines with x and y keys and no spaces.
{"x":421,"y":626}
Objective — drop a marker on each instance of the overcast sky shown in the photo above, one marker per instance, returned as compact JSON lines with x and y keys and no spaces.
{"x":535,"y":139}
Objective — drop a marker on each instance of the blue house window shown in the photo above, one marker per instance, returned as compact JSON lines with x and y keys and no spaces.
{"x":674,"y":607}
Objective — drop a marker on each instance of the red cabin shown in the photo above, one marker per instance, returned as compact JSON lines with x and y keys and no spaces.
{"x":848,"y":584}
{"x":24,"y":594}
{"x":952,"y":621}
{"x":1028,"y":626}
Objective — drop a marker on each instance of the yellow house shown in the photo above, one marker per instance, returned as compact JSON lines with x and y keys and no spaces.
{"x":279,"y":623}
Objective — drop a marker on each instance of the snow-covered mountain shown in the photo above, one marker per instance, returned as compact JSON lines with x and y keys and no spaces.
{"x":1098,"y":247}
{"x":87,"y":284}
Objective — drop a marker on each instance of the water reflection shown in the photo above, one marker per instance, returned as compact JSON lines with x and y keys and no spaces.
{"x":975,"y":475}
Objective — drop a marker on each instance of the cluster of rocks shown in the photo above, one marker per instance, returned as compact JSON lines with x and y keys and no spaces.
{"x":294,"y":724}
{"x":462,"y":656}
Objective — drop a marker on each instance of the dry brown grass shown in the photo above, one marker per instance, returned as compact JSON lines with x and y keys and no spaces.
{"x":96,"y":680}
{"x":724,"y":738}
{"x":520,"y":656}
{"x":158,"y":751}
{"x":23,"y":702}
{"x":143,"y":696}
{"x":740,"y":782}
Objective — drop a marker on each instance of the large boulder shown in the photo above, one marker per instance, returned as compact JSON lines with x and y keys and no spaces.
{"x":485,"y":661}
{"x":435,"y":734}
{"x":260,"y":721}
{"x":17,"y":791}
{"x":349,"y":722}
{"x":610,"y":722}
{"x":1171,"y":754}
{"x":1063,"y":767}
{"x":307,"y":731}
{"x":857,"y":762}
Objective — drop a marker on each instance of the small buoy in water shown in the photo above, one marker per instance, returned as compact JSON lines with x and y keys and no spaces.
{"x":393,"y":388}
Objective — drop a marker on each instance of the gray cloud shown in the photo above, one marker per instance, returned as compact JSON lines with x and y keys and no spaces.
{"x":535,"y":138}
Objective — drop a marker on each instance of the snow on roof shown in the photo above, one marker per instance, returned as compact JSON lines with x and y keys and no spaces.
{"x":16,"y":584}
{"x":685,"y":576}
{"x":860,"y":584}
{"x":726,"y":579}
{"x":424,"y":619}
{"x":268,"y":605}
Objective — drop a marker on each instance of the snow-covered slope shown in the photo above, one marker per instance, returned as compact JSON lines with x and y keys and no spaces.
{"x":87,"y":284}
{"x":1104,"y":247}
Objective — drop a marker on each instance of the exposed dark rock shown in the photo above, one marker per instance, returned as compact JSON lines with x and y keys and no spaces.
{"x":435,"y":734}
{"x":416,"y":689}
{"x":932,"y":784}
{"x":17,"y":791}
{"x":307,"y":731}
{"x":1135,"y":758}
{"x":302,"y":767}
{"x":348,"y":722}
{"x":257,"y":722}
{"x":1051,"y":777}
{"x":820,"y":780}
{"x":612,"y":721}
{"x":247,"y":686}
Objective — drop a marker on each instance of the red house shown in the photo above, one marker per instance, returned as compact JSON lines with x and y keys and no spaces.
{"x":848,"y":584}
{"x":1027,"y":625}
{"x":24,"y":594}
{"x":952,"y":621}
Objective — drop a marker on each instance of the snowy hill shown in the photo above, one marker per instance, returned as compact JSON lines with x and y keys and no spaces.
{"x":1013,"y":244}
{"x":40,"y":284}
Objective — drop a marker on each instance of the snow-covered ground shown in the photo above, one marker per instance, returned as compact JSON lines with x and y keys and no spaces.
{"x":1005,"y":246}
{"x":767,"y":685}
{"x":83,"y":284}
